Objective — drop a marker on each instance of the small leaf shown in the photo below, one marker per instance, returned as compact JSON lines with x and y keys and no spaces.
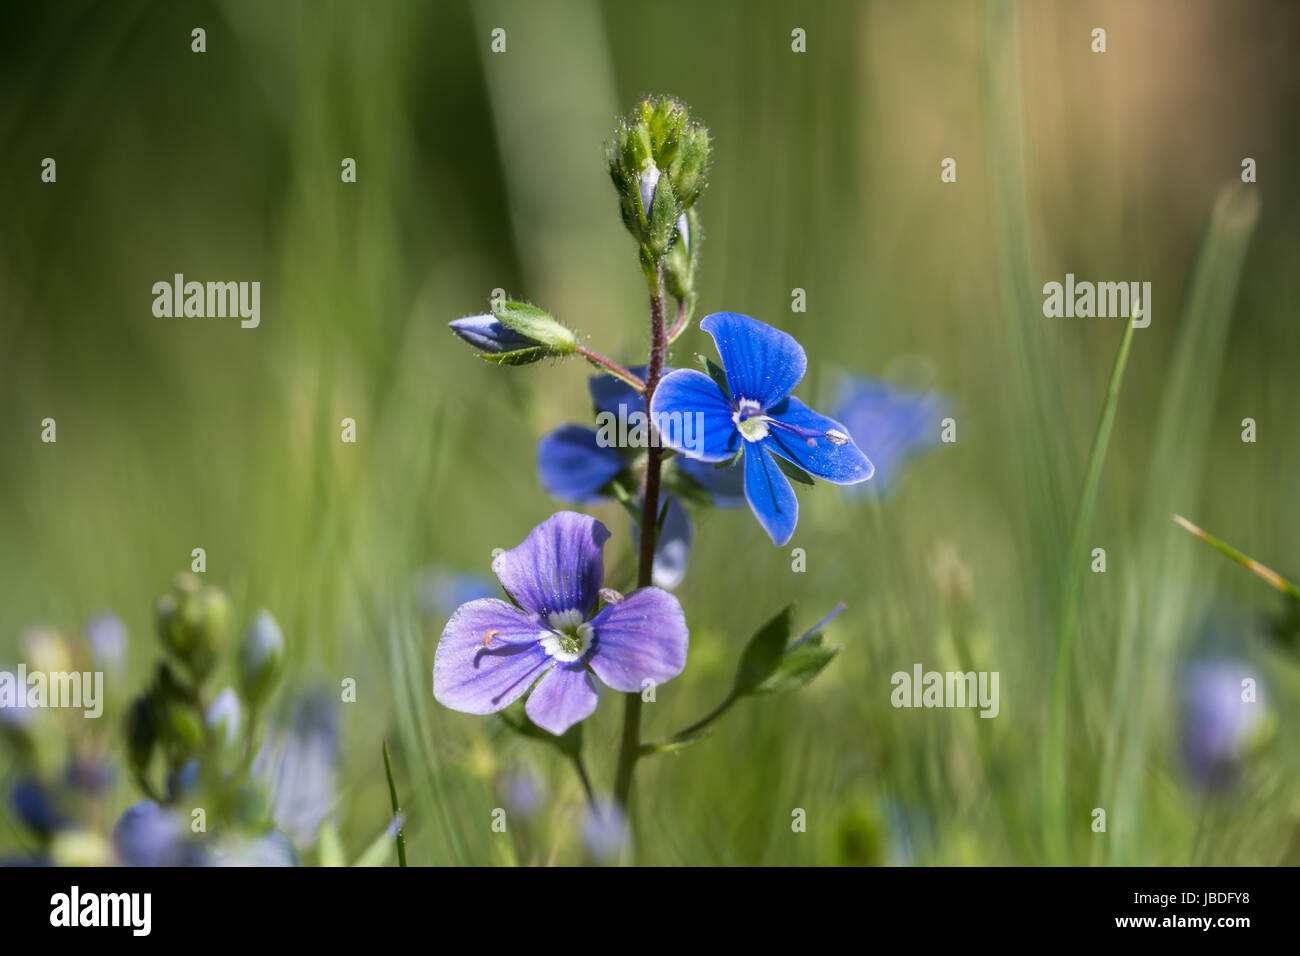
{"x":798,"y":666}
{"x":713,"y":371}
{"x":619,"y":490}
{"x":793,"y":471}
{"x":763,"y":652}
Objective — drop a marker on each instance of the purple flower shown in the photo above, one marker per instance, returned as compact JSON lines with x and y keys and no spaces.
{"x":890,"y":424}
{"x":756,"y":416}
{"x":491,"y":652}
{"x":1217,"y":722}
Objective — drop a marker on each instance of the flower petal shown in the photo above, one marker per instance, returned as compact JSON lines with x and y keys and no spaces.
{"x":769,"y":494}
{"x":679,"y":399}
{"x":763,"y":364}
{"x":572,"y":464}
{"x":842,"y":464}
{"x":478,"y":679}
{"x":559,"y":567}
{"x":643,"y":637}
{"x":609,"y":393}
{"x":562,"y":698}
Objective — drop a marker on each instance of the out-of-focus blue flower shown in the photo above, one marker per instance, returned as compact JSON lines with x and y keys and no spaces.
{"x":491,"y":652}
{"x":889,"y":424}
{"x":524,"y":790}
{"x":147,"y":834}
{"x":1216,"y":722}
{"x":300,"y":768}
{"x":574,"y":465}
{"x":441,"y":592}
{"x":604,"y":830}
{"x":90,"y":775}
{"x":223,"y":715}
{"x":270,"y":849}
{"x":36,"y":805}
{"x":106,"y":635}
{"x":756,"y":415}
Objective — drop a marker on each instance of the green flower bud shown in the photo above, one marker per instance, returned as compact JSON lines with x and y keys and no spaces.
{"x":689,"y":169}
{"x":538,"y":326}
{"x":657,"y":147}
{"x":193,"y":622}
{"x":683,"y":257}
{"x":261,"y":659}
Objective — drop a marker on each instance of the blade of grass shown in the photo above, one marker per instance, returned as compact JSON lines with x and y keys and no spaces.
{"x":1247,"y":562}
{"x":397,"y":808}
{"x":1054,"y":763}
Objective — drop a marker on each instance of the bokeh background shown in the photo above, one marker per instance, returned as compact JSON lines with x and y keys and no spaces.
{"x":479,"y":171}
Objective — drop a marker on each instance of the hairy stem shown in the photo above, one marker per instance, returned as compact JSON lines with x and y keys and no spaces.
{"x":630,"y":746}
{"x":612,"y":367}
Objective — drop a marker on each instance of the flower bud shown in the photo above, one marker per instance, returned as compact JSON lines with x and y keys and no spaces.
{"x":261,"y":658}
{"x":222,"y":717}
{"x":193,"y":622}
{"x":683,"y":256}
{"x":516,"y":334}
{"x":657,"y":146}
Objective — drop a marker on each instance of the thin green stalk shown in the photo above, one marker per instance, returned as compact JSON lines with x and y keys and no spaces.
{"x":397,"y":809}
{"x":1245,"y":560}
{"x":1054,"y":763}
{"x":685,"y":733}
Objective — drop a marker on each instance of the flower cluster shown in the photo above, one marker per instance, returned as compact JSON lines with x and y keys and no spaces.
{"x":719,"y":436}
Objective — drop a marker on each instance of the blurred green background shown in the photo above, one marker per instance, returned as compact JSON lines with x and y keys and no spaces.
{"x":479,"y":170}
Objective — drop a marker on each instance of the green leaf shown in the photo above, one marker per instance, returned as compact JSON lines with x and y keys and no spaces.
{"x":568,"y":743}
{"x":763,"y":653}
{"x":620,"y":491}
{"x":679,"y":484}
{"x":793,"y":471}
{"x":713,"y":371}
{"x":799,"y":665}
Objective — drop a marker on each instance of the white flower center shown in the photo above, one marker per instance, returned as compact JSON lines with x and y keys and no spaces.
{"x":568,"y":638}
{"x":750,"y":420}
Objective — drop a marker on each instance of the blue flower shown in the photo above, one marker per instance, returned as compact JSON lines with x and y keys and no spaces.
{"x":300,"y":767}
{"x":1216,"y":725}
{"x":758,"y":418}
{"x":890,"y":424}
{"x":491,"y":652}
{"x":575,"y":464}
{"x":147,"y":834}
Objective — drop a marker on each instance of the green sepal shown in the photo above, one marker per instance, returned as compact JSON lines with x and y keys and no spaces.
{"x":793,"y":471}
